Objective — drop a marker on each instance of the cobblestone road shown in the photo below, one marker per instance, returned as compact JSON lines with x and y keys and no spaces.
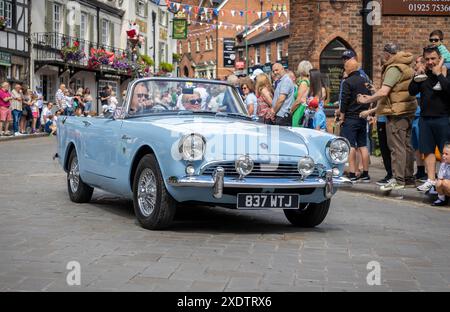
{"x":206,"y":249}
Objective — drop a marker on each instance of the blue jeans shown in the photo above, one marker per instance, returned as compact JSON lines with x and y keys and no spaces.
{"x":87,"y":106}
{"x":68,"y":111}
{"x":16,"y":114}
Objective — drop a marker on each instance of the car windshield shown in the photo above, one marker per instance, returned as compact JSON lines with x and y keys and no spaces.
{"x":167,"y":96}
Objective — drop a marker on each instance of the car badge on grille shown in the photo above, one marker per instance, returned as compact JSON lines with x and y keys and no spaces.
{"x":264,"y":146}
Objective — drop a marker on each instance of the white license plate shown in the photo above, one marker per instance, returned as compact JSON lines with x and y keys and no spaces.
{"x":267,"y":201}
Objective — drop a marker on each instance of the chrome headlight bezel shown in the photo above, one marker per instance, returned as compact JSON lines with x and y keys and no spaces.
{"x":306,"y":166}
{"x":332,"y":149}
{"x":248,"y":163}
{"x":188,"y":148}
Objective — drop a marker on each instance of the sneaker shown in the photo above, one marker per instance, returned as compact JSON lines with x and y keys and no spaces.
{"x":392,"y":185}
{"x":432,"y":191}
{"x":420,"y":78}
{"x":365,"y":179}
{"x":354,"y":179}
{"x":17,"y":133}
{"x":437,"y":87}
{"x":384,"y":181}
{"x":7,"y":133}
{"x":440,"y":202}
{"x":426,"y":186}
{"x":410,"y":183}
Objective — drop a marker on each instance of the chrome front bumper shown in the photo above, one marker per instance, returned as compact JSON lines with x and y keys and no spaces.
{"x":218,"y":182}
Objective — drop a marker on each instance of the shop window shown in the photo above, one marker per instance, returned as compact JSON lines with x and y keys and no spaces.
{"x":331,"y":67}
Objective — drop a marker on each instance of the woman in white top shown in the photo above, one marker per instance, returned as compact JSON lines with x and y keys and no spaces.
{"x":248,"y":88}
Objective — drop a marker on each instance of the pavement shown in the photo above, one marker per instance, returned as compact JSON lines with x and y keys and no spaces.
{"x":376,"y":173}
{"x":23,"y":137}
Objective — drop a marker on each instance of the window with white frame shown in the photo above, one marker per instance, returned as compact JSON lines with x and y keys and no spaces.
{"x":189,"y":47}
{"x":6,"y":11}
{"x":279,"y":50}
{"x":105,"y":32}
{"x":57,"y":10}
{"x":9,"y":72}
{"x":197,"y":48}
{"x":206,"y":44}
{"x":180,"y":48}
{"x":211,"y":45}
{"x":163,"y":18}
{"x":141,"y":8}
{"x":83,"y":25}
{"x":257,"y":55}
{"x":268,"y":53}
{"x":162,"y":52}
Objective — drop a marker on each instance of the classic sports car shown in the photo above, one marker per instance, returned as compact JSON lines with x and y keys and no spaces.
{"x":191,"y":141}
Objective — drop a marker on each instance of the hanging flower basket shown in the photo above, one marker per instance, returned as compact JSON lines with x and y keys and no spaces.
{"x":100,"y":57}
{"x":72,"y":53}
{"x":2,"y":23}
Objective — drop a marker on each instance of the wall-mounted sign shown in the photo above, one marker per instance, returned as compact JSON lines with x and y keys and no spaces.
{"x":162,"y":34}
{"x":229,"y":55}
{"x":179,"y":28}
{"x":142,"y":26}
{"x":5,"y":59}
{"x":416,"y":7}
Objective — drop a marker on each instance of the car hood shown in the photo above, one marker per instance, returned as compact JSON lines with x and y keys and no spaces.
{"x":230,"y":136}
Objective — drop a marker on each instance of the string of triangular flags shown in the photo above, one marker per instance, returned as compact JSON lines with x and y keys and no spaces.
{"x":207,"y":30}
{"x":208,"y":13}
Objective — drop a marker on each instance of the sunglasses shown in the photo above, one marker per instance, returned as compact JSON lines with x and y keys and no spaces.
{"x":143,"y":95}
{"x":193,"y":102}
{"x":244,"y":88}
{"x":434,"y":40}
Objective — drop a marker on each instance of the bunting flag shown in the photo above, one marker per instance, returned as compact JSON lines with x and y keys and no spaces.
{"x":259,"y":14}
{"x":233,"y":12}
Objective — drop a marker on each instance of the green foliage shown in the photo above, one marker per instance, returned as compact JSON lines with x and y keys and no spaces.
{"x":176,"y":57}
{"x":167,"y":67}
{"x":376,"y":151}
{"x":147,"y":59}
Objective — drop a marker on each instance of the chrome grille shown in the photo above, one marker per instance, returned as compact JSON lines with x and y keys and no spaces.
{"x":259,"y":170}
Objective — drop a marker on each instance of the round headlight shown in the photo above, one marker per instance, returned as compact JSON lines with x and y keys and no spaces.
{"x":244,"y":165}
{"x":338,"y":151}
{"x":306,"y":166}
{"x":192,"y":147}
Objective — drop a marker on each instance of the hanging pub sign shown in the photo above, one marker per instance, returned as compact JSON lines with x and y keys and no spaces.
{"x":416,"y":7}
{"x":179,"y":28}
{"x":229,"y":55}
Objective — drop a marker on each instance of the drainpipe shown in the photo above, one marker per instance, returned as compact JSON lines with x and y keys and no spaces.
{"x":154,"y":40}
{"x":367,"y":40}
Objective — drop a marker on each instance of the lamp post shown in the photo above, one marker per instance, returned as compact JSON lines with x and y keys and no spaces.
{"x":245,"y":34}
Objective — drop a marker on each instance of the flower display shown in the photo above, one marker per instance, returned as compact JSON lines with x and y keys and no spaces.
{"x":121,"y":63}
{"x":72,"y":53}
{"x":100,"y":57}
{"x":2,"y":22}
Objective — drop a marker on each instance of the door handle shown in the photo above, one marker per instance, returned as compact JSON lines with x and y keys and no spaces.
{"x":125,"y":137}
{"x":86,"y":123}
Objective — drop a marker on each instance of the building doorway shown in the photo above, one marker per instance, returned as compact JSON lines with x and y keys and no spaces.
{"x":332,"y":68}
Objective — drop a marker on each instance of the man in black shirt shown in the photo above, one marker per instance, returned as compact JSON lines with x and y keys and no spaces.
{"x":354,"y":128}
{"x":434,"y":111}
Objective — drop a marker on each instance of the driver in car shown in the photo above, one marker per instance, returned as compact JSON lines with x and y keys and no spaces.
{"x":192,"y":102}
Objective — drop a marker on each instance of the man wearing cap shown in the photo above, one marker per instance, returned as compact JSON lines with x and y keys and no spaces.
{"x":283,"y":97}
{"x":399,"y":107}
{"x":255,"y":74}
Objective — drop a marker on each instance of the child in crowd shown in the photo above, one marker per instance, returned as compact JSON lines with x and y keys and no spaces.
{"x":443,"y":182}
{"x":50,"y":125}
{"x":34,"y":111}
{"x":314,"y":116}
{"x":112,"y":105}
{"x":436,"y":39}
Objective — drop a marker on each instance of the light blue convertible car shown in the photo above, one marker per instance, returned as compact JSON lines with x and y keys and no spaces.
{"x":190,"y":141}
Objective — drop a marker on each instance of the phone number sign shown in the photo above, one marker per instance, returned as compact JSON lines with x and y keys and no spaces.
{"x":414,"y":7}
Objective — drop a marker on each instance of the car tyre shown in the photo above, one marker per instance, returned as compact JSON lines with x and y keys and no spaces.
{"x":79,"y":192}
{"x":153,"y":205}
{"x":309,"y":215}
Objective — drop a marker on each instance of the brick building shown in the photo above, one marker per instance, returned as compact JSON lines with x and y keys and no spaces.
{"x":209,"y":51}
{"x":322,"y":29}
